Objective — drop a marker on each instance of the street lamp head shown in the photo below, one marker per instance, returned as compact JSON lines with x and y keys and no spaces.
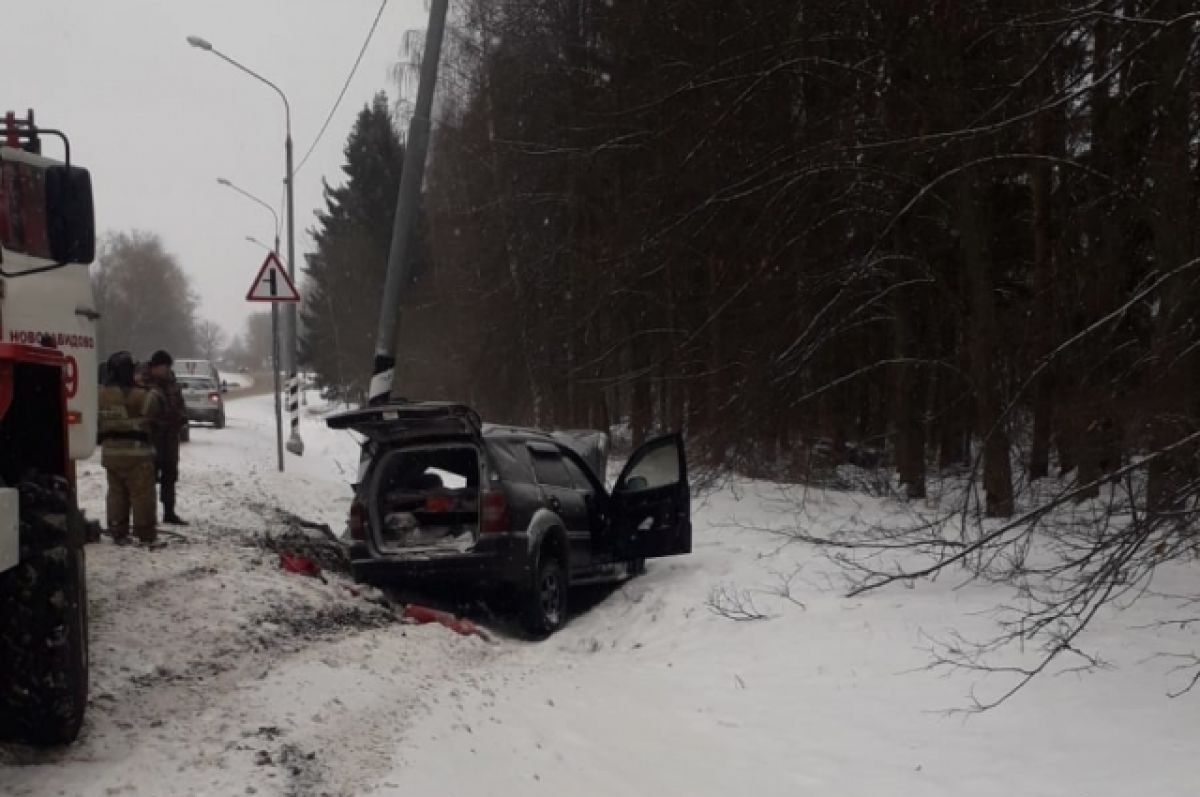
{"x":196,"y":41}
{"x":223,"y":181}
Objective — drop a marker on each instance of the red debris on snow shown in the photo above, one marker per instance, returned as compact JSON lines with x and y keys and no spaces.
{"x":297,"y":563}
{"x":414,"y":614}
{"x":421,"y":615}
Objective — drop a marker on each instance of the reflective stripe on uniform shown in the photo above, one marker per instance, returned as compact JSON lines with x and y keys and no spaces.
{"x":126,"y":414}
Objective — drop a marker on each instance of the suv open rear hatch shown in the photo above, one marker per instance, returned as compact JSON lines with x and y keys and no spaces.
{"x":392,"y":423}
{"x":423,"y":492}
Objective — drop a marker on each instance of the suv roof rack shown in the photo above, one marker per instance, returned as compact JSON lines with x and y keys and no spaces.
{"x":407,"y":412}
{"x":509,"y":429}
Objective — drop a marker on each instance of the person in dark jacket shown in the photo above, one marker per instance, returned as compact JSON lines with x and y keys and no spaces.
{"x":165,"y":431}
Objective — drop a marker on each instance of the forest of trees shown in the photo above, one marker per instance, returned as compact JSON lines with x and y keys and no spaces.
{"x":955,"y":242}
{"x":884,"y":229}
{"x":942,"y":240}
{"x":147,"y":302}
{"x":251,"y":348}
{"x":144,"y":297}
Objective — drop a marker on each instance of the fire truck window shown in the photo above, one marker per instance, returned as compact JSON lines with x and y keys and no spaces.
{"x":23,"y":210}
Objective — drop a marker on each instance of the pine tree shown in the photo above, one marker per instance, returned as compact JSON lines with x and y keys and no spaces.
{"x":345,"y":274}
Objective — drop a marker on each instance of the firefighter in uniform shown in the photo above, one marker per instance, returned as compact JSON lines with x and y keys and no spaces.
{"x":165,"y":431}
{"x":127,"y":454}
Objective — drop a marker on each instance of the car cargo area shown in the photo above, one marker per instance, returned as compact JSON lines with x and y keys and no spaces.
{"x":427,"y":497}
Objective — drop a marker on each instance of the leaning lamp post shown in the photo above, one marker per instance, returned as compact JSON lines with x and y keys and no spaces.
{"x":294,"y":444}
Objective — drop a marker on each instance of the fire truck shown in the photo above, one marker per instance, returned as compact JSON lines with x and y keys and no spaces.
{"x":48,"y":417}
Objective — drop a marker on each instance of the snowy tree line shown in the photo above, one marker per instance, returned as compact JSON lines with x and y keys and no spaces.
{"x":146,"y":302}
{"x":901,"y":233}
{"x":807,"y":232}
{"x":144,"y":297}
{"x":953,"y":242}
{"x":251,"y":348}
{"x":951,"y":245}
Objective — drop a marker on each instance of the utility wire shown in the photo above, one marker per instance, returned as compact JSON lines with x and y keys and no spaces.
{"x":346,"y":85}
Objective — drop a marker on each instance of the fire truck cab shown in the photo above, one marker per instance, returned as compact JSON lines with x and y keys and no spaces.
{"x":48,"y":418}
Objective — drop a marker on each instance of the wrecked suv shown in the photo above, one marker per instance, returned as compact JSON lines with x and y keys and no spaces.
{"x":443,"y":498}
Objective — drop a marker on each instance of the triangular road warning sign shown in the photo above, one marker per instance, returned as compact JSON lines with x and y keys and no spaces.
{"x":272,"y":283}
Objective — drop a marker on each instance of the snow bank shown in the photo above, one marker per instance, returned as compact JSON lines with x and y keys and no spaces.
{"x":217,"y":673}
{"x":654,"y":693}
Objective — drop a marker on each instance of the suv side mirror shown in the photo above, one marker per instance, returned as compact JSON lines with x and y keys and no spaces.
{"x":70,"y":220}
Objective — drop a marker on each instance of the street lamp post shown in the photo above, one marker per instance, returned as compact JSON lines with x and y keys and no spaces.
{"x":231,"y":185}
{"x":274,"y":309}
{"x":274,"y":316}
{"x":274,"y":354}
{"x":294,"y":444}
{"x":257,"y":242}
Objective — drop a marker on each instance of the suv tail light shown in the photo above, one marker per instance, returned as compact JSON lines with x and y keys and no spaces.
{"x":358,"y":521}
{"x":214,"y":396}
{"x":493,"y":517}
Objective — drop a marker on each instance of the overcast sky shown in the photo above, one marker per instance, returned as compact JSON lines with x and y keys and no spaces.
{"x":157,"y":121}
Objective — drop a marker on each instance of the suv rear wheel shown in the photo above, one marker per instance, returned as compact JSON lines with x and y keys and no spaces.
{"x":545,"y":601}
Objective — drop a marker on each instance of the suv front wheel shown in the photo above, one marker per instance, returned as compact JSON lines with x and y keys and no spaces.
{"x":545,"y":601}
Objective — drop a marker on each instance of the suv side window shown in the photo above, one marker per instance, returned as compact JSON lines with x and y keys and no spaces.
{"x":582,"y":482}
{"x":510,"y":461}
{"x":550,"y":469}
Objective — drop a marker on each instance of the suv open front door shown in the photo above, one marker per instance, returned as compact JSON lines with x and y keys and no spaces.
{"x":651,"y":502}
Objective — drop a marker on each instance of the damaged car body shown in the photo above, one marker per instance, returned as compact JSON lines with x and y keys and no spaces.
{"x":444,"y":498}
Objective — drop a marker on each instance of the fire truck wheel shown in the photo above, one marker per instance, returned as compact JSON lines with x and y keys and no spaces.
{"x":43,"y":621}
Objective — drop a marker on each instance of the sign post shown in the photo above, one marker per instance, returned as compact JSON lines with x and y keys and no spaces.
{"x":273,"y":285}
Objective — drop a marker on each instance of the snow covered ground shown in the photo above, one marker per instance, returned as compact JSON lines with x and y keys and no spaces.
{"x":216,"y":673}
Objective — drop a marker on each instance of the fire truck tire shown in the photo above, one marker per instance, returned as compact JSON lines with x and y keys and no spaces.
{"x":43,"y":621}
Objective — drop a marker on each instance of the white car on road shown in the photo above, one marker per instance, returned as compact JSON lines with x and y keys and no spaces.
{"x":203,"y":401}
